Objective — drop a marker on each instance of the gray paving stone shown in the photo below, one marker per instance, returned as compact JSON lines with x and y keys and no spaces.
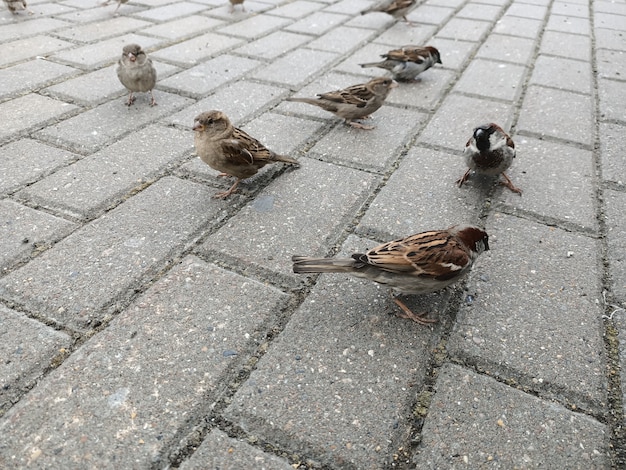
{"x":168,"y":12}
{"x":569,"y":24}
{"x":348,"y":7}
{"x":238,"y":100}
{"x":375,"y":149}
{"x":454,"y":54}
{"x":273,"y":45}
{"x":611,"y":64}
{"x":556,"y":113}
{"x":31,"y":75}
{"x":23,"y":118}
{"x":421,"y":195}
{"x":523,"y":10}
{"x":570,"y":9}
{"x":341,"y":39}
{"x":323,"y":194}
{"x":25,"y":160}
{"x":542,"y":169}
{"x":297,"y":9}
{"x":610,"y":39}
{"x":516,"y":26}
{"x":535,"y":315}
{"x":98,"y":31}
{"x":613,"y":157}
{"x":446,"y":3}
{"x":317,"y":23}
{"x":572,"y":46}
{"x":223,"y":452}
{"x":50,"y":9}
{"x":93,"y":56}
{"x":370,"y":52}
{"x":476,"y":422}
{"x":616,"y":234}
{"x":376,"y":21}
{"x":424,"y":93}
{"x":296,"y":67}
{"x":612,"y":96}
{"x":29,"y":48}
{"x":127,"y":164}
{"x":505,"y":80}
{"x":196,"y":50}
{"x":23,"y":230}
{"x":607,"y":20}
{"x":482,"y":12}
{"x":82,"y":277}
{"x":401,"y":33}
{"x":176,"y":335}
{"x":28,"y":347}
{"x":564,"y":74}
{"x":307,"y":394}
{"x":224,"y":12}
{"x":28,"y":28}
{"x":183,"y":27}
{"x":255,"y":26}
{"x":453,"y":122}
{"x":609,"y":7}
{"x":464,"y":29}
{"x":430,"y":14}
{"x":508,"y":49}
{"x":89,"y":131}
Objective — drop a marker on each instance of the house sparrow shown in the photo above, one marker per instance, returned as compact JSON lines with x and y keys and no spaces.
{"x":13,"y":5}
{"x":236,"y":2}
{"x":355,"y":102}
{"x":489,"y":151}
{"x":408,"y":62}
{"x":119,"y":2}
{"x":419,"y":264}
{"x":396,"y":8}
{"x":136,"y":72}
{"x":230,"y":150}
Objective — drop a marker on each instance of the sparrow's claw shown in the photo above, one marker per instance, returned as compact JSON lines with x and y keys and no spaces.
{"x":509,"y":184}
{"x":408,"y":313}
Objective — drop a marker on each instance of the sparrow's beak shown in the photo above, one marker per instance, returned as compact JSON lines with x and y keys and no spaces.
{"x":394,"y":84}
{"x":132,"y":57}
{"x":197,"y":126}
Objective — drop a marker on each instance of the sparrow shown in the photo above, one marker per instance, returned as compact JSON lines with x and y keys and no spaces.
{"x":355,"y":102}
{"x":419,"y":264}
{"x":490,"y":151}
{"x":230,"y":150}
{"x":408,"y":62}
{"x":396,"y":8}
{"x":13,"y":5}
{"x":119,"y":2}
{"x":236,"y":2}
{"x":136,"y":72}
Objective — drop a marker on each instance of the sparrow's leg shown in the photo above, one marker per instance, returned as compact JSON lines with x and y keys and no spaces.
{"x":117,"y":8}
{"x":509,"y":184}
{"x":407,"y":313}
{"x":152,"y":100}
{"x":463,"y":178}
{"x":131,"y":99}
{"x":358,"y":125}
{"x":225,"y":194}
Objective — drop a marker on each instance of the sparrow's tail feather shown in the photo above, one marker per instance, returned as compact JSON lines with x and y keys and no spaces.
{"x":314,"y":101}
{"x":370,"y":64}
{"x":285,"y":159}
{"x":303,"y":264}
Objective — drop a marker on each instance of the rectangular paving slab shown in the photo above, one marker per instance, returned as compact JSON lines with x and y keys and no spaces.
{"x":125,"y":394}
{"x":475,"y":422}
{"x":84,"y":276}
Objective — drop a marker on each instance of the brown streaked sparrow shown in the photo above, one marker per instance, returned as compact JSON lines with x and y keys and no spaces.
{"x":13,"y":6}
{"x":408,"y":62}
{"x":236,"y":2}
{"x":396,"y":8}
{"x":136,"y":72}
{"x":355,"y":102}
{"x":230,"y":150}
{"x":119,"y":3}
{"x":419,"y":264}
{"x":490,"y":151}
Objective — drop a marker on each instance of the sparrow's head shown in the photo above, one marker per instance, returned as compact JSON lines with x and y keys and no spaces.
{"x":211,"y":122}
{"x":487,"y":135}
{"x":476,"y":239}
{"x":381,"y":85}
{"x":435,"y":54}
{"x":132,"y":51}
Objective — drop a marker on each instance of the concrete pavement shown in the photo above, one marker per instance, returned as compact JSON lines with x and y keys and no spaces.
{"x":145,"y":324}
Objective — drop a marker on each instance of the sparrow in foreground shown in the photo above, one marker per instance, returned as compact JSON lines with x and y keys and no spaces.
{"x":136,"y":72}
{"x":119,"y":2}
{"x":490,"y":151}
{"x":419,"y":264}
{"x":13,"y":6}
{"x":230,"y":150}
{"x":355,"y":102}
{"x":396,"y":8}
{"x":236,"y":2}
{"x":408,"y":62}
